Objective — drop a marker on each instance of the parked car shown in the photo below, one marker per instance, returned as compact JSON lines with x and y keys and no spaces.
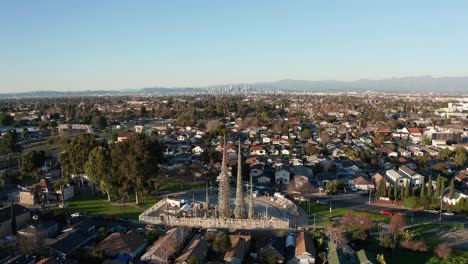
{"x":448,"y":213}
{"x":385,"y":212}
{"x":432,"y":211}
{"x":321,"y":202}
{"x":75,"y":214}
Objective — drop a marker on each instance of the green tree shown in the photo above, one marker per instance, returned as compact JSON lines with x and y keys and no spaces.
{"x":6,"y":119}
{"x":429,"y":186}
{"x":452,"y":189}
{"x":407,"y":190}
{"x":461,"y":157}
{"x":426,"y":140}
{"x":335,"y":185}
{"x":193,"y":260}
{"x":271,"y":259}
{"x":9,"y":144}
{"x":221,"y":243}
{"x":440,"y":167}
{"x":445,"y":153}
{"x":306,"y":134}
{"x":381,"y":259}
{"x":99,"y":121}
{"x":31,"y":162}
{"x":442,"y":187}
{"x":98,"y":169}
{"x":378,"y":191}
{"x":135,"y":164}
{"x":378,"y":140}
{"x":422,"y":193}
{"x":77,"y":152}
{"x":422,"y":161}
{"x":438,"y":182}
{"x":395,"y":190}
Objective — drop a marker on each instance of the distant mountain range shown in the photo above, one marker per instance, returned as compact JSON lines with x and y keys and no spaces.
{"x":422,"y":84}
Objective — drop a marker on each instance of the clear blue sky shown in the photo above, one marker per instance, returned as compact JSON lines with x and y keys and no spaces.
{"x":80,"y":45}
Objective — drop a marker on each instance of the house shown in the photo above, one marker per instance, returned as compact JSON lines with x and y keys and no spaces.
{"x":266,"y":140}
{"x":197,"y":247}
{"x":166,"y":246}
{"x":458,"y":195}
{"x":364,"y":257}
{"x":404,"y":153}
{"x":360,"y":182}
{"x":282,"y":175}
{"x":139,"y":128}
{"x":395,"y":177}
{"x":415,"y":150}
{"x":240,"y":245}
{"x":263,"y":179}
{"x":305,"y":248}
{"x":415,"y":178}
{"x":182,"y":137}
{"x":377,"y":178}
{"x":123,"y":136}
{"x":335,"y":254}
{"x":75,"y":237}
{"x":252,"y":160}
{"x":256,"y":170}
{"x":277,"y":141}
{"x":276,"y":248}
{"x":463,"y":178}
{"x":22,"y":216}
{"x":285,"y":152}
{"x":117,"y":244}
{"x":257,"y":150}
{"x":45,"y":186}
{"x":197,"y":150}
{"x":415,"y":134}
{"x":49,"y":228}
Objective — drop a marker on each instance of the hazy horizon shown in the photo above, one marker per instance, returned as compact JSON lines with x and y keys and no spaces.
{"x":114,"y":45}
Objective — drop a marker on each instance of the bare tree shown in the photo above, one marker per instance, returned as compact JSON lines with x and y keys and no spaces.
{"x":212,"y":124}
{"x":443,"y":251}
{"x":337,"y":235}
{"x":397,"y":225}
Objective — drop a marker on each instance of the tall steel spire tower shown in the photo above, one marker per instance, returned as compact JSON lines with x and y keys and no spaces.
{"x":250,"y":213}
{"x":239,"y":209}
{"x":207,"y":197}
{"x":224,"y":188}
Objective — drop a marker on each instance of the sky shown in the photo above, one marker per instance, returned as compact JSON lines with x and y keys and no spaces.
{"x":88,"y":45}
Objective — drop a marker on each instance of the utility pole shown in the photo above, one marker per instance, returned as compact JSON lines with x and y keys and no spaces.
{"x":370,"y":192}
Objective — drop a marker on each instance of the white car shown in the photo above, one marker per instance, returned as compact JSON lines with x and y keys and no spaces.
{"x":321,"y":202}
{"x":432,"y":211}
{"x":447,"y":213}
{"x":75,"y":214}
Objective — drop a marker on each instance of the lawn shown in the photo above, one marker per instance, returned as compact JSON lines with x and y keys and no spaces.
{"x":93,"y":205}
{"x":323,"y":211}
{"x":179,"y":184}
